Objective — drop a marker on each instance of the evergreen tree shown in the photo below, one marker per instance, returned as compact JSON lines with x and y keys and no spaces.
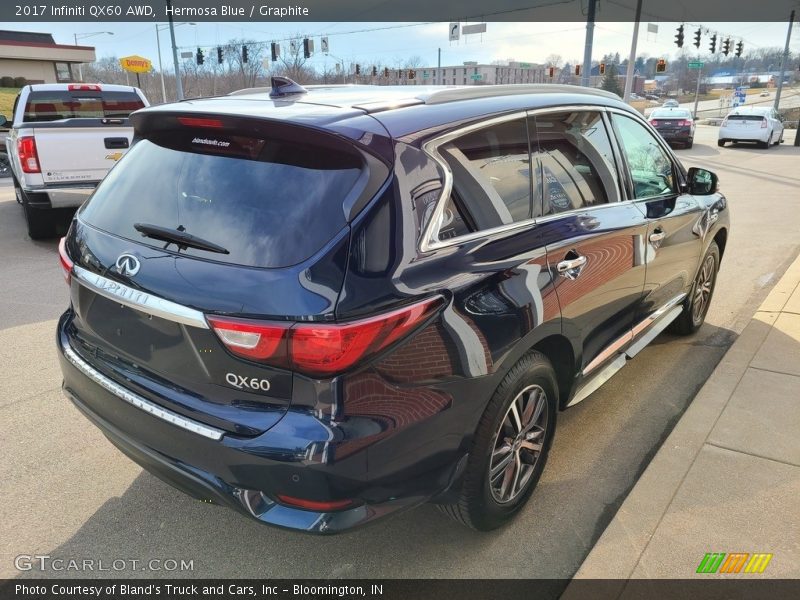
{"x":610,"y":82}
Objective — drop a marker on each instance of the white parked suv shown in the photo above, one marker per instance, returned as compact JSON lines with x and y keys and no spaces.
{"x":63,"y":139}
{"x":752,"y":124}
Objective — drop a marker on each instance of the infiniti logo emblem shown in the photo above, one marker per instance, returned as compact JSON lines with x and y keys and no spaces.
{"x":127,"y":264}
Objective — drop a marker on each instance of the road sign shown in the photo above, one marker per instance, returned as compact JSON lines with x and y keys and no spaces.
{"x":187,"y":54}
{"x":695,"y":65}
{"x":323,"y":45}
{"x":476,"y":76}
{"x":455,"y":32}
{"x":476,"y":28}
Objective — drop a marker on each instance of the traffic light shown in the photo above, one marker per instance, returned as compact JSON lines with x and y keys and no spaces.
{"x":244,"y":54}
{"x":219,"y":55}
{"x":276,"y":51}
{"x":199,"y":56}
{"x":697,"y":35}
{"x":739,"y":49}
{"x":679,"y":37}
{"x":661,"y":66}
{"x":374,"y":71}
{"x":577,"y":70}
{"x":726,"y":47}
{"x":308,"y":47}
{"x":713,"y":46}
{"x":552,"y":72}
{"x":358,"y":69}
{"x":386,"y":72}
{"x":602,"y":68}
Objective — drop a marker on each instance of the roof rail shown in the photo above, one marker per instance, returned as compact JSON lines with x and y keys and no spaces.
{"x":489,"y":91}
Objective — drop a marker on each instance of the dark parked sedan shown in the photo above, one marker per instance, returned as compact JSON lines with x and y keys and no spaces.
{"x":319,"y":307}
{"x":674,"y":125}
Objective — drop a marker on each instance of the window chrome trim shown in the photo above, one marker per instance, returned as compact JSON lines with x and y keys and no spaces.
{"x":430,"y":236}
{"x":133,"y":298}
{"x":135,"y":400}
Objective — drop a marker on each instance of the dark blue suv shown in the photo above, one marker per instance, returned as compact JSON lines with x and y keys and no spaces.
{"x":319,"y":306}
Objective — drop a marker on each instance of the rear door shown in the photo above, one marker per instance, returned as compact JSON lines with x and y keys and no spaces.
{"x":671,"y":251}
{"x":594,"y":241}
{"x":80,"y":132}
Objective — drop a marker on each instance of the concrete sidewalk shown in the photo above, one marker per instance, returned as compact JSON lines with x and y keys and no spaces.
{"x":727,"y":479}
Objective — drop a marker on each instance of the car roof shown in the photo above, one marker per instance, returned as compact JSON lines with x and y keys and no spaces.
{"x":402,"y":110}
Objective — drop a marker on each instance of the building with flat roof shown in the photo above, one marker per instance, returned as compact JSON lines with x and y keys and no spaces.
{"x":472,"y":73}
{"x":37,"y":58}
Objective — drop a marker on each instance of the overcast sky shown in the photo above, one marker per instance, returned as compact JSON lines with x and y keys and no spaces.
{"x":391,"y":43}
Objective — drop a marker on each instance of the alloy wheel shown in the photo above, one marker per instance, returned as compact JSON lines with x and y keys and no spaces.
{"x":518,"y":444}
{"x":703,"y":289}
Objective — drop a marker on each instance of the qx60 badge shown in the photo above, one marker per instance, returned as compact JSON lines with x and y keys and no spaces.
{"x":127,"y":264}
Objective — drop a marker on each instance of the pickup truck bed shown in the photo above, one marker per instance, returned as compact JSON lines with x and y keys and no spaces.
{"x":64,"y":138}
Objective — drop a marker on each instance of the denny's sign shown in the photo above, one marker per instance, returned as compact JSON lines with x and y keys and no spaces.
{"x":136,"y":64}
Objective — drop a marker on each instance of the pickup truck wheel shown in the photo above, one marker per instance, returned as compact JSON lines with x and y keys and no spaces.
{"x":510,"y":446}
{"x":41,"y":222}
{"x":696,"y":304}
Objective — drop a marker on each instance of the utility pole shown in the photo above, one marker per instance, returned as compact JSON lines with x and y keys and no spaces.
{"x":160,"y":68}
{"x":784,"y":59}
{"x":697,"y":91}
{"x":439,"y":66}
{"x":632,"y":58}
{"x":178,"y":82}
{"x":587,"y":50}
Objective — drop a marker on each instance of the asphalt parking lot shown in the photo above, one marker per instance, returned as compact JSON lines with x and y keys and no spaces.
{"x":69,"y":493}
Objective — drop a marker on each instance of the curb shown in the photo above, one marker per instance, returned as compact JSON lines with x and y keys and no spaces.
{"x":620,"y":547}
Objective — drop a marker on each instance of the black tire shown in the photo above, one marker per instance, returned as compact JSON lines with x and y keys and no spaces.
{"x":532,"y":387}
{"x":767,"y":144}
{"x":693,"y":316}
{"x":721,"y":143}
{"x":690,"y":143}
{"x":5,"y":166}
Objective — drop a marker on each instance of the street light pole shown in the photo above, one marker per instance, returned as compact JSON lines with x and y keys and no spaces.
{"x":160,"y":68}
{"x":587,"y":50}
{"x":178,"y":82}
{"x":784,"y":59}
{"x":632,"y":57}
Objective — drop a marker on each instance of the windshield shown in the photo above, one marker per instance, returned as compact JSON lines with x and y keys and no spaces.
{"x":46,"y":106}
{"x":271,"y":204}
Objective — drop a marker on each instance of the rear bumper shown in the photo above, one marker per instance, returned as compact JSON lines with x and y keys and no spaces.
{"x":62,"y":197}
{"x":247,"y":473}
{"x":676,"y":136}
{"x":744,"y":135}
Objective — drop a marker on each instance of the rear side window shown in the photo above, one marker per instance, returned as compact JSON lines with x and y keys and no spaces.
{"x":577,"y":161}
{"x":491,"y":176}
{"x":46,"y":106}
{"x":269,"y":202}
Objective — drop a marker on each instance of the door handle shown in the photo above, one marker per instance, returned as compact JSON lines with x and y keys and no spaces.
{"x":571,"y":267}
{"x":657,"y":236}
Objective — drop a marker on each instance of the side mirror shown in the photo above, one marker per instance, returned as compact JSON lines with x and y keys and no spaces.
{"x":3,"y":120}
{"x":702,"y":182}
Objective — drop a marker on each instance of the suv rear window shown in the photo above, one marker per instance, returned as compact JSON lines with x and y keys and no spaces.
{"x":46,"y":106}
{"x":269,"y":202}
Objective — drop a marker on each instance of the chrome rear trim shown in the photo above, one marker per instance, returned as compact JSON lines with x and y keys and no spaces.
{"x":133,"y":298}
{"x":139,"y":402}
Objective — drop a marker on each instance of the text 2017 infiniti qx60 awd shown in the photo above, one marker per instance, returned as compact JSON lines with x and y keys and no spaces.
{"x":319,"y":306}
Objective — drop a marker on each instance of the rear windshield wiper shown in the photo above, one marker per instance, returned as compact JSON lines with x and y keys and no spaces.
{"x":179,"y":237}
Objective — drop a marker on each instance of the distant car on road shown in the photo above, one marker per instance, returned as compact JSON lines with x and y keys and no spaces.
{"x":671,"y":104}
{"x":764,"y":94}
{"x":758,"y":124}
{"x":651,"y":97}
{"x":674,"y":125}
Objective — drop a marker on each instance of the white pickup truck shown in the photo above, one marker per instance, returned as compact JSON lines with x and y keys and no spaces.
{"x":63,"y":139}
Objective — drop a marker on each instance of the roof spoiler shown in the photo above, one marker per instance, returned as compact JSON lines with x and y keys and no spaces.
{"x":283,"y":86}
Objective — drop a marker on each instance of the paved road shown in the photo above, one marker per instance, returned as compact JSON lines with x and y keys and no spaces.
{"x":790,"y":98}
{"x":68,"y":493}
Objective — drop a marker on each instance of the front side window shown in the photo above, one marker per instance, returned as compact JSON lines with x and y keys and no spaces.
{"x":651,"y":169}
{"x":577,"y":161}
{"x":491,"y":174}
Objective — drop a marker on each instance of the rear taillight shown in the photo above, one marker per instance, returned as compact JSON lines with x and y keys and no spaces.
{"x":315,"y":505}
{"x":63,"y":258}
{"x":319,"y":349}
{"x":84,"y":87}
{"x":201,"y":122}
{"x":26,"y":150}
